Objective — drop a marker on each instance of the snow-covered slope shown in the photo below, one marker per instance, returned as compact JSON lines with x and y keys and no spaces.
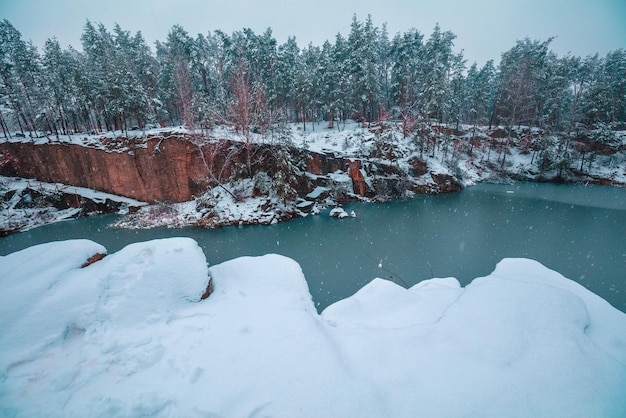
{"x":351,"y":162}
{"x":130,"y":336}
{"x":21,"y":211}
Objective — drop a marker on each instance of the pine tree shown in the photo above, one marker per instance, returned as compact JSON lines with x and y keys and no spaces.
{"x":438,"y":58}
{"x":556,"y":91}
{"x":479,"y":96}
{"x":615,"y":76}
{"x":340,"y":55}
{"x":407,"y":77}
{"x":383,"y":57}
{"x":20,"y":74}
{"x":287,"y":72}
{"x":175,"y":62}
{"x":58,"y":85}
{"x":330,"y":75}
{"x":118,"y":83}
{"x":308,"y":85}
{"x":364,"y":62}
{"x":99,"y":60}
{"x":521,"y":76}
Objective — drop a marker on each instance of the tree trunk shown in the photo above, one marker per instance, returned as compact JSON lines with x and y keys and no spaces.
{"x":5,"y":129}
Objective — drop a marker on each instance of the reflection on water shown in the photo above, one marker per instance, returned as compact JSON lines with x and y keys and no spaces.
{"x":578,"y":231}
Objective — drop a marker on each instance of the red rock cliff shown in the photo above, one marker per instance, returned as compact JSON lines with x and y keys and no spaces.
{"x":176,"y":169}
{"x":158,"y":170}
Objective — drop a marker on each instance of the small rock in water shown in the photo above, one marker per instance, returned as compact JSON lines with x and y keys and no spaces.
{"x":338,"y":213}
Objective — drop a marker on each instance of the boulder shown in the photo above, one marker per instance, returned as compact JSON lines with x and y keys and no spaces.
{"x":338,"y":212}
{"x":446,"y":183}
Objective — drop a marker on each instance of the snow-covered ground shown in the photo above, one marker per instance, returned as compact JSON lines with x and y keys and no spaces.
{"x":481,"y":164}
{"x":216,"y":207}
{"x":130,"y":336}
{"x":112,"y":141}
{"x":20,"y":210}
{"x":352,"y":139}
{"x":376,"y":147}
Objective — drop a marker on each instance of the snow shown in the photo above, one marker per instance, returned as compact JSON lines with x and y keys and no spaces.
{"x":352,"y":139}
{"x":16,"y":183}
{"x":317,"y":192}
{"x":338,"y":212}
{"x":111,"y":141}
{"x":130,"y":336}
{"x":14,"y":215}
{"x":355,"y":141}
{"x":216,"y":207}
{"x":386,"y":158}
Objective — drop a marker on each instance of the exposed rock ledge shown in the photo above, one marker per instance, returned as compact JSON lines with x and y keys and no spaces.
{"x":177,"y":169}
{"x":196,"y":180}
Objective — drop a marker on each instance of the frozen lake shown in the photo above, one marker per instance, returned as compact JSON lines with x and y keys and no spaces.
{"x":576,"y":230}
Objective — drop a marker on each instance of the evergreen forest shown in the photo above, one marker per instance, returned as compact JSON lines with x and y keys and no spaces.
{"x":249,"y":81}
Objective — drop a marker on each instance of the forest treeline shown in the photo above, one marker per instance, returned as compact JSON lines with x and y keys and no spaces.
{"x":249,"y":81}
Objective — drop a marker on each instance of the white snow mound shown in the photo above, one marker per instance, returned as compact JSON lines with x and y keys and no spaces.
{"x":130,"y":336}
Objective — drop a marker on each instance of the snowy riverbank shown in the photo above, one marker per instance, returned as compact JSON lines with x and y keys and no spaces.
{"x":317,"y":169}
{"x":28,"y":203}
{"x":130,"y":335}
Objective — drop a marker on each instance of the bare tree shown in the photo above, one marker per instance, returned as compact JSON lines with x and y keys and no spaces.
{"x":247,"y":109}
{"x":182,"y":87}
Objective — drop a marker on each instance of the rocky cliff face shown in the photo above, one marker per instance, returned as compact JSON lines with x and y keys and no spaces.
{"x":177,"y":169}
{"x":156,"y":170}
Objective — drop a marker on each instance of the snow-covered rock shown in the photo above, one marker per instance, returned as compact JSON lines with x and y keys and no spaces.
{"x":318,"y":194}
{"x":30,"y":203}
{"x":305,"y":206}
{"x":130,"y":336}
{"x":338,"y":212}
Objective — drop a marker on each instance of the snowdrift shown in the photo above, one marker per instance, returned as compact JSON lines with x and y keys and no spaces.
{"x":130,"y":336}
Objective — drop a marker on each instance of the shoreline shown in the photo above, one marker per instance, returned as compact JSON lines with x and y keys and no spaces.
{"x":186,"y":180}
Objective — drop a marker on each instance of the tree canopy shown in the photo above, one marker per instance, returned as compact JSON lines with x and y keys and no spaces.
{"x":250,"y":81}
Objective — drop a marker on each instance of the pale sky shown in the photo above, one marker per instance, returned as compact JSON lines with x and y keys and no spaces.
{"x":484,"y":28}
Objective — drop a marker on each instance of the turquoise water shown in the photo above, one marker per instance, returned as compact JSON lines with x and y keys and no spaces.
{"x":576,"y":230}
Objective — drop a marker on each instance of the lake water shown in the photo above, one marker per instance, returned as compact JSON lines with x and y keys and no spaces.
{"x":579,"y":231}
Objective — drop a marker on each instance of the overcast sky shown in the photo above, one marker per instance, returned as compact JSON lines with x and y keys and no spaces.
{"x":484,"y":28}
